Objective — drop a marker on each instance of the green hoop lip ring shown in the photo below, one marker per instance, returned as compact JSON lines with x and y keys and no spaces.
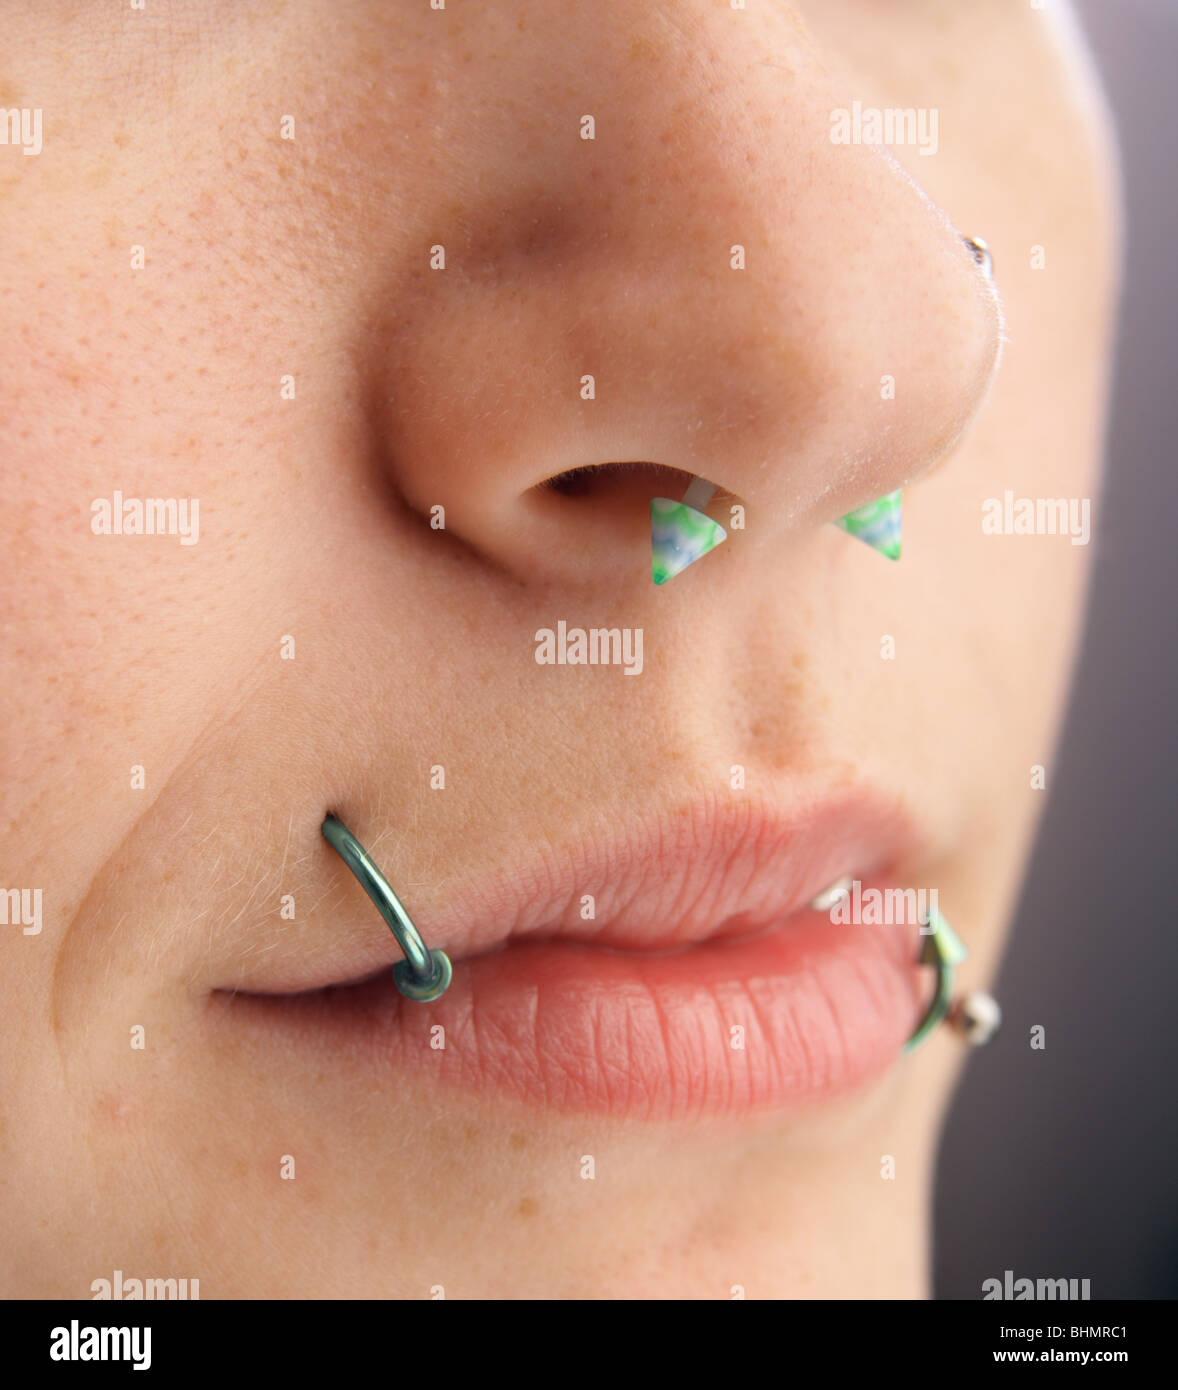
{"x":423,"y":975}
{"x":424,"y":990}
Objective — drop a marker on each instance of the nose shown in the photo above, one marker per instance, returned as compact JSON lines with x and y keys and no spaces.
{"x":708,"y":286}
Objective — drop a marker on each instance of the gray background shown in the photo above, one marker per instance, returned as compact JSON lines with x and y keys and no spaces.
{"x":1063,"y":1163}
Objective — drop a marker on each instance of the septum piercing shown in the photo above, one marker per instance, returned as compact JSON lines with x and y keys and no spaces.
{"x":423,"y":974}
{"x":699,"y":493}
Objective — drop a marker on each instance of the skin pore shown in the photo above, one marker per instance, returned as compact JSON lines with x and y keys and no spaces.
{"x":413,"y":647}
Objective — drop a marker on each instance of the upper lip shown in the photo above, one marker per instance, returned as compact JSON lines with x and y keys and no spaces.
{"x":676,"y":877}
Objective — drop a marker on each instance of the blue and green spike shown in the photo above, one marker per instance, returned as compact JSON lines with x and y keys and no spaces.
{"x":877,"y":524}
{"x":682,"y":532}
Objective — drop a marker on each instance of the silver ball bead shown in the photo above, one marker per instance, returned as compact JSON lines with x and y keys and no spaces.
{"x":977,"y":1016}
{"x":981,"y":254}
{"x":837,"y":891}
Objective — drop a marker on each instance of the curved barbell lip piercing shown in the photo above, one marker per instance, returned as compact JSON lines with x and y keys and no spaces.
{"x":976,"y":1016}
{"x":423,"y":974}
{"x":942,"y":949}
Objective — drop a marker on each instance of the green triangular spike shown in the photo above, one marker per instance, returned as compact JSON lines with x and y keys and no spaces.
{"x":941,"y":946}
{"x":679,"y":536}
{"x":877,"y":524}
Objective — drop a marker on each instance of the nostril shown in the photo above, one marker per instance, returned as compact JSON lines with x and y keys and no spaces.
{"x":635,"y":481}
{"x":603,"y":514}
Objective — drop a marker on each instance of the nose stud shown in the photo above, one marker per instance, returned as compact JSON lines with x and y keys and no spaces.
{"x":423,"y":974}
{"x":682,"y":532}
{"x":981,"y":254}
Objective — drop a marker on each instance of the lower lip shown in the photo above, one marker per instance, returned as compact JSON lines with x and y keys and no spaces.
{"x":805,"y":1011}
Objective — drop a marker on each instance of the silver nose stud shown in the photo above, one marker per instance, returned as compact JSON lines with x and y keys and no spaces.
{"x":423,"y":974}
{"x":981,"y":254}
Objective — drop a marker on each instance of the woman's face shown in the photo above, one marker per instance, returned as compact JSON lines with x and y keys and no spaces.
{"x":654,"y":1074}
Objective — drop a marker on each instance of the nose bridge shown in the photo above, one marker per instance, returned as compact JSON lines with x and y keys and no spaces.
{"x":709,"y":282}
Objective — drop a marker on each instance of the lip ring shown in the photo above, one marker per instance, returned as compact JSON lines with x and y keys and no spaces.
{"x":423,"y":975}
{"x":942,"y":949}
{"x":422,"y":991}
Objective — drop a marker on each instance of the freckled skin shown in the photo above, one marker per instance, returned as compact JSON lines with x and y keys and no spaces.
{"x":265,"y":258}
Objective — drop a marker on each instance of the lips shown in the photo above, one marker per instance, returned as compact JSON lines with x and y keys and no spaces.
{"x":662,"y":971}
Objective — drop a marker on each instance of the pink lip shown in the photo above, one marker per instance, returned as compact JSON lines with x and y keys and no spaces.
{"x":702,"y":985}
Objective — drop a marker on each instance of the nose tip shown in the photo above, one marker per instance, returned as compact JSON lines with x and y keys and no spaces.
{"x":791,"y":319}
